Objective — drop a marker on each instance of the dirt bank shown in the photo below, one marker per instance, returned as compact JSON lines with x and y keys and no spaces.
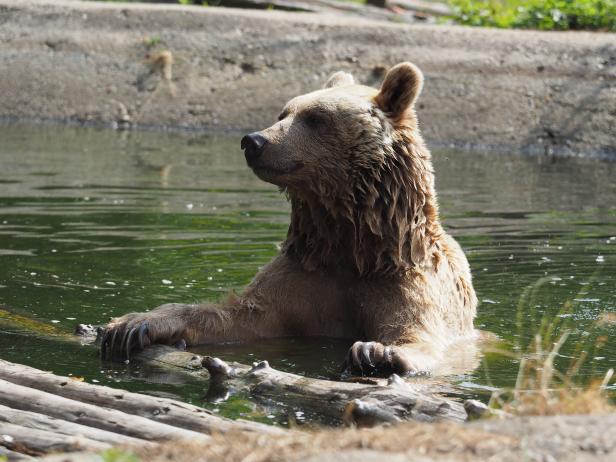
{"x":532,"y":439}
{"x":233,"y":70}
{"x":565,"y":438}
{"x":551,"y":93}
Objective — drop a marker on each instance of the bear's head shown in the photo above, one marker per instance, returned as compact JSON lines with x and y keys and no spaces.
{"x":323,"y":135}
{"x":352,"y":161}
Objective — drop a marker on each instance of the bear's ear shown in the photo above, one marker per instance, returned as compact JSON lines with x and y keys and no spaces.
{"x":399,"y":90}
{"x":338,"y":79}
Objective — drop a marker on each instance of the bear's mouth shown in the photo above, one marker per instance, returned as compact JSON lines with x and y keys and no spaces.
{"x":271,"y":171}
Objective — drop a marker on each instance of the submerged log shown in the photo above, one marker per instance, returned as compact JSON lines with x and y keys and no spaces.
{"x":32,"y":326}
{"x":86,"y":333}
{"x":367,"y":403}
{"x":354,"y":403}
{"x":29,"y":399}
{"x":160,"y":410}
{"x":174,"y":359}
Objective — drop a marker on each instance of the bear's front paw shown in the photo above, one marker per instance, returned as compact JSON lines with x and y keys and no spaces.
{"x":124,"y":335}
{"x":374,"y":358}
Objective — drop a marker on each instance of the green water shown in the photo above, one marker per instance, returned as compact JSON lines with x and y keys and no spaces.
{"x":97,"y":223}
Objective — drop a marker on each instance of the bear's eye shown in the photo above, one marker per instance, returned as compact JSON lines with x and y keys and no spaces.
{"x":283,"y":115}
{"x":315,"y":119}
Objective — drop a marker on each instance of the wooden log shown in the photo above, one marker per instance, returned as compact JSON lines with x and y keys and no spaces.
{"x":174,"y":360}
{"x":371,"y":401}
{"x":190,"y":364}
{"x":32,"y":420}
{"x":163,"y":410}
{"x":322,"y":6}
{"x":12,"y":455}
{"x":366,"y":11}
{"x":355,"y":403}
{"x":30,"y":399}
{"x":37,"y":442}
{"x":419,"y":6}
{"x":285,"y":5}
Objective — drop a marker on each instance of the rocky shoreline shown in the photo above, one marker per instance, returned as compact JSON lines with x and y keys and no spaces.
{"x":170,"y":66}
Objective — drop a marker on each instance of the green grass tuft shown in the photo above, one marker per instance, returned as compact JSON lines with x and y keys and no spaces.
{"x":117,"y":455}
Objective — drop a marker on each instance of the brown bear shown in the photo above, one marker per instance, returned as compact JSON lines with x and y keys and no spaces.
{"x":365,"y":257}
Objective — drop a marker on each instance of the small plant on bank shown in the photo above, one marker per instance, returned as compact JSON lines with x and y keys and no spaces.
{"x":541,"y":389}
{"x":548,"y":381}
{"x":537,"y":14}
{"x":152,"y":41}
{"x":118,"y":455}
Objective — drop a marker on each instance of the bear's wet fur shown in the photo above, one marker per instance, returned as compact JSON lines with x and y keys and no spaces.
{"x":365,"y":257}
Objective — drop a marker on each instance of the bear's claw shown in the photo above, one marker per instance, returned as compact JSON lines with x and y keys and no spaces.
{"x":132,"y":338}
{"x":143,"y":331}
{"x":369,"y":358}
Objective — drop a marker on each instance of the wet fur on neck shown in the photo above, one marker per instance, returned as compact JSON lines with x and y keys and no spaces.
{"x":385,"y":224}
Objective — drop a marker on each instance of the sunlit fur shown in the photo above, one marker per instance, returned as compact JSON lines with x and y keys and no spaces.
{"x":365,"y":257}
{"x":379,"y":216}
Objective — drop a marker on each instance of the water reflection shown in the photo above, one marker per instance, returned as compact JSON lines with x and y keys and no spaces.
{"x":95,"y":223}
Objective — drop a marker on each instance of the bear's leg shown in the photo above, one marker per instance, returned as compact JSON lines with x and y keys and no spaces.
{"x":174,"y":322}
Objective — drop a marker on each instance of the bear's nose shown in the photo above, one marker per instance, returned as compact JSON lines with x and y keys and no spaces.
{"x":253,"y":146}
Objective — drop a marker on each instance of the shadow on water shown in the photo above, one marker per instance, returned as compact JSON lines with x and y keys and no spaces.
{"x":96,"y":223}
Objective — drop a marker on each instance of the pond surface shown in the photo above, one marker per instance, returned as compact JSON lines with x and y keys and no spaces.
{"x":96,"y":223}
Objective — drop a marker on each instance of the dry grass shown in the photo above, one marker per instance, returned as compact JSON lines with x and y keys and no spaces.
{"x":409,"y":439}
{"x":606,"y":319}
{"x":541,"y":389}
{"x":542,"y":386}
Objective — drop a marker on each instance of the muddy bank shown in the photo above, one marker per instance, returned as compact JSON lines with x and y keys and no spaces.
{"x":546,"y":93}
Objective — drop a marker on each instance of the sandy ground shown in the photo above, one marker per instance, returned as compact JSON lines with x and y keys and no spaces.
{"x":84,"y":62}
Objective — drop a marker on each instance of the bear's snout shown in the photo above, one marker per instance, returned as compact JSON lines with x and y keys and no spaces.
{"x":252,"y":145}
